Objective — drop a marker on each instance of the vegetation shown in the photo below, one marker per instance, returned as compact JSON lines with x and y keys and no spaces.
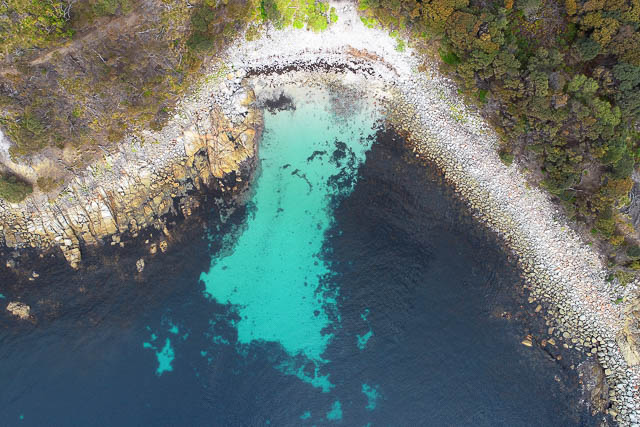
{"x":27,"y":24}
{"x":67,"y":80}
{"x":78,"y":74}
{"x":47,"y":183}
{"x":109,"y":7}
{"x":283,"y":13}
{"x":13,"y":189}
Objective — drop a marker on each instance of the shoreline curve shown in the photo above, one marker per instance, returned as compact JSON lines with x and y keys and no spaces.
{"x":561,"y":270}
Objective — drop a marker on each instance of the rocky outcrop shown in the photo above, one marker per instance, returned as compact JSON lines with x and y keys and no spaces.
{"x":20,"y":310}
{"x":629,"y":338}
{"x":146,"y":179}
{"x":595,"y":389}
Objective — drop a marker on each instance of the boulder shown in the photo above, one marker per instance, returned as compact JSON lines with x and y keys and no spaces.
{"x":18,"y":309}
{"x":595,"y":389}
{"x":629,"y":338}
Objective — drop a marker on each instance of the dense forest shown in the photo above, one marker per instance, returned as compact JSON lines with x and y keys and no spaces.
{"x":558,"y":79}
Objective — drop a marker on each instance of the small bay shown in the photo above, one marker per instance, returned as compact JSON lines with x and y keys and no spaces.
{"x":352,"y":288}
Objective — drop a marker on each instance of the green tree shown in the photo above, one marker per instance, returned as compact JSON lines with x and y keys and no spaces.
{"x":588,"y":48}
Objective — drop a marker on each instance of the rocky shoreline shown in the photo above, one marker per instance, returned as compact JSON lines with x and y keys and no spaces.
{"x":211,"y":142}
{"x":215,"y":135}
{"x":577,"y":299}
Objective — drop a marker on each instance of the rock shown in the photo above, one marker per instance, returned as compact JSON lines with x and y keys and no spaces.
{"x":140,"y":265}
{"x":629,"y":339}
{"x":18,"y":309}
{"x":125,"y":192}
{"x":153,"y":249}
{"x":594,"y":385}
{"x":163,"y":245}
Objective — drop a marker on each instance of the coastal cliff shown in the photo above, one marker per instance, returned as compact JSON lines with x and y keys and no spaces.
{"x":208,"y":143}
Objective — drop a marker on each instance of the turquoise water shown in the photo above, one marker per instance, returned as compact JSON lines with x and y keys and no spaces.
{"x":164,"y":355}
{"x":274,"y":276}
{"x":335,"y":414}
{"x":372,"y":395}
{"x":306,"y":415}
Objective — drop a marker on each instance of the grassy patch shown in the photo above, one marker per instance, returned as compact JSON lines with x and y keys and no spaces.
{"x":449,"y":57}
{"x":14,"y":190}
{"x":482,"y":95}
{"x":506,"y":157}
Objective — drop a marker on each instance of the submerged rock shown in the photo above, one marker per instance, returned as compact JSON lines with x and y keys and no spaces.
{"x":527,"y":341}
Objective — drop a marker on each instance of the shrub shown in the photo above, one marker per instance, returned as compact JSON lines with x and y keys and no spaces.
{"x":449,"y":57}
{"x":616,"y":240}
{"x":200,"y":42}
{"x":588,"y":48}
{"x":25,"y":24}
{"x":623,"y":167}
{"x":624,"y":277}
{"x":47,"y":184}
{"x":506,"y":157}
{"x":605,"y":224}
{"x":529,"y":7}
{"x":482,"y":95}
{"x":109,"y":7}
{"x":13,"y":189}
{"x":633,"y":252}
{"x":333,"y":15}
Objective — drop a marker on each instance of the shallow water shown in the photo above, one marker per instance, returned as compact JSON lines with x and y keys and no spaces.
{"x":352,"y":289}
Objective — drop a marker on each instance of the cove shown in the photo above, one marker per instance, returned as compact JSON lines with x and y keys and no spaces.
{"x":412,"y":313}
{"x":274,"y":276}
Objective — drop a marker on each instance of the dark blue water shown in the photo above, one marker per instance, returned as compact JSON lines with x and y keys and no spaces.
{"x":418,"y":332}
